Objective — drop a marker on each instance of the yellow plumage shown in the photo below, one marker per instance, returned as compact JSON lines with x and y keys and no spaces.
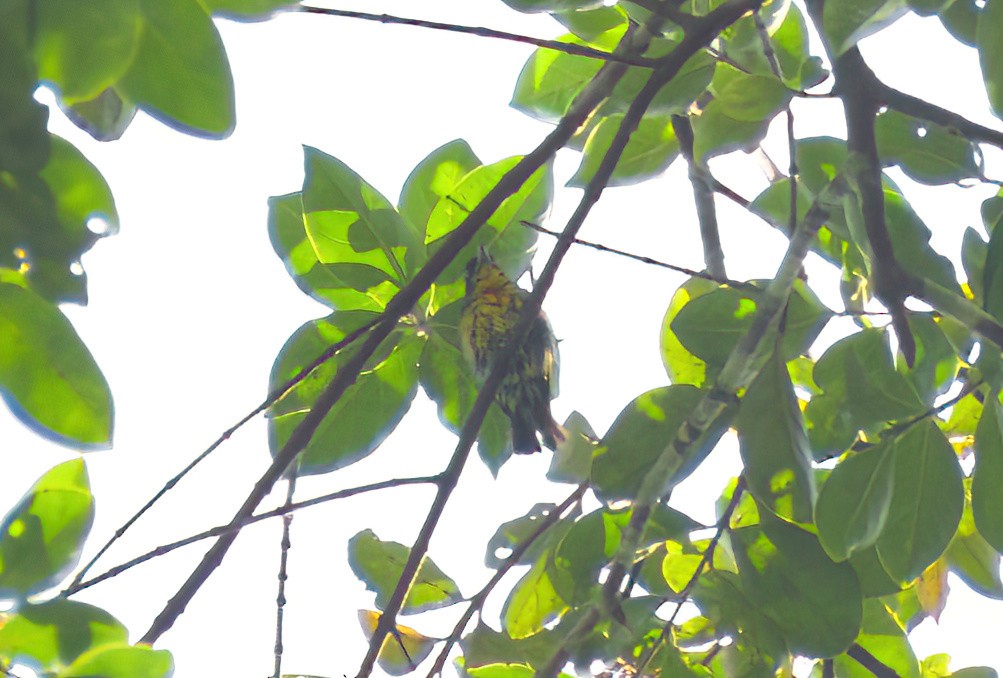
{"x":492,"y":308}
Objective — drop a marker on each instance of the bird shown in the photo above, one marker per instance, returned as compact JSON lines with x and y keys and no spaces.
{"x":492,"y":305}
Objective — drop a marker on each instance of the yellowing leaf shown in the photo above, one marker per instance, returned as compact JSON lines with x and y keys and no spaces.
{"x":932,"y":589}
{"x":403,"y":648}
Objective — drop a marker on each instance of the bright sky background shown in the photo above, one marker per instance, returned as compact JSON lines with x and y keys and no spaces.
{"x":189,"y":306}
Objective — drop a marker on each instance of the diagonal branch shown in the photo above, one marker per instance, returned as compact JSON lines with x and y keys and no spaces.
{"x":707,"y":423}
{"x":477,"y":601}
{"x":633,"y":40}
{"x":703,"y":195}
{"x":283,"y":510}
{"x":397,"y":307}
{"x":269,"y":400}
{"x":918,"y":108}
{"x":481,"y":32}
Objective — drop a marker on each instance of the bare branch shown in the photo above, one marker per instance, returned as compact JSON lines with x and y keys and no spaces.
{"x":481,"y":32}
{"x":703,"y":195}
{"x":269,"y":400}
{"x":280,"y":599}
{"x":224,"y":529}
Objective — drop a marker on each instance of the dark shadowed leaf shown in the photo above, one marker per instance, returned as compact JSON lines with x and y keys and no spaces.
{"x":854,"y":502}
{"x":882,"y":637}
{"x":927,"y":502}
{"x":638,"y":437}
{"x":847,"y":22}
{"x":774,"y":444}
{"x":650,"y":150}
{"x":987,"y":478}
{"x":926,"y":152}
{"x":972,"y":558}
{"x":815,"y":602}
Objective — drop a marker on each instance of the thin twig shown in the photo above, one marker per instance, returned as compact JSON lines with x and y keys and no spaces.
{"x":256,"y":518}
{"x":280,"y":599}
{"x":269,"y":400}
{"x":704,"y":275}
{"x":706,"y":559}
{"x":482,"y":32}
{"x":477,"y":601}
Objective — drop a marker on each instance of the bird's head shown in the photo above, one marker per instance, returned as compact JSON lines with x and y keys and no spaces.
{"x":483,"y":272}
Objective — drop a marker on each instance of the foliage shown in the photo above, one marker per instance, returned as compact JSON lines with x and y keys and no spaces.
{"x":853,"y":503}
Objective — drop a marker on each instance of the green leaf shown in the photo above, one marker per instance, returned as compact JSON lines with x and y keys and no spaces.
{"x":380,"y":563}
{"x":550,"y":5}
{"x":550,"y":80}
{"x":403,"y":648}
{"x":991,"y":52}
{"x":24,"y":144}
{"x":84,"y":47}
{"x":987,"y":478}
{"x":815,"y":603}
{"x":572,"y":461}
{"x":245,"y":10}
{"x":121,"y":661}
{"x":680,"y":364}
{"x":961,"y":19}
{"x":366,"y":414}
{"x":975,"y":672}
{"x":774,"y":444}
{"x":528,"y":203}
{"x":180,"y":73}
{"x":80,"y":192}
{"x":711,"y":325}
{"x":637,"y":438}
{"x":349,"y":286}
{"x":485,"y":647}
{"x":746,"y":97}
{"x":911,"y":240}
{"x":722,"y":598}
{"x":926,"y":152}
{"x":972,"y":558}
{"x":854,"y":503}
{"x":41,"y":537}
{"x":56,"y":632}
{"x":992,"y":276}
{"x":847,"y":22}
{"x":874,"y":580}
{"x":651,"y":148}
{"x":589,"y":24}
{"x":47,"y":375}
{"x":511,"y":534}
{"x":936,"y":363}
{"x":926,"y":503}
{"x":533,"y":602}
{"x":716,"y":133}
{"x":446,"y":378}
{"x":861,"y":389}
{"x":582,"y":552}
{"x":676,"y":96}
{"x":105,"y":117}
{"x":502,"y":671}
{"x":885,"y":640}
{"x":347,"y":221}
{"x":433,"y":179}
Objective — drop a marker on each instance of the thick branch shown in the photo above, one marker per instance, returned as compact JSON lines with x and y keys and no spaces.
{"x":397,"y":307}
{"x":703,"y":195}
{"x":481,"y":32}
{"x":918,"y":108}
{"x":601,"y":85}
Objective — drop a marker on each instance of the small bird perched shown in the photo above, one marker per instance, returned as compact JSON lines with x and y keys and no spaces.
{"x":492,"y":307}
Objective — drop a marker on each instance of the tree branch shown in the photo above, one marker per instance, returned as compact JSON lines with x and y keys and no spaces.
{"x":477,"y":601}
{"x":600,"y":86}
{"x":481,"y":32}
{"x":870,"y":662}
{"x":918,"y":108}
{"x":706,"y":559}
{"x":703,"y":196}
{"x":224,"y":529}
{"x":269,"y":400}
{"x":280,"y":599}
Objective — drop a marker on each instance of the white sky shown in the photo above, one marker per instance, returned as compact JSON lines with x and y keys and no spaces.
{"x":189,"y":306}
